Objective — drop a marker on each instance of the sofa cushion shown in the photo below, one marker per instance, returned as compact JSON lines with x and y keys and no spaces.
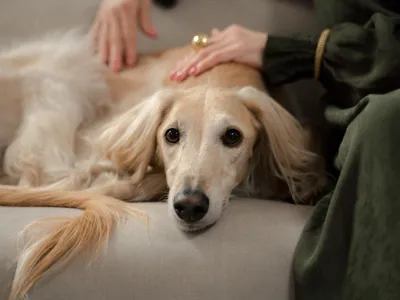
{"x":246,"y":255}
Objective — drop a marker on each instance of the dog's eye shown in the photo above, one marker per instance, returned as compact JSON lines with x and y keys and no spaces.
{"x":172,"y":135}
{"x":232,"y":138}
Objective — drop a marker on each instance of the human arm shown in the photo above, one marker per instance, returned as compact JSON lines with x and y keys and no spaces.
{"x":364,"y":57}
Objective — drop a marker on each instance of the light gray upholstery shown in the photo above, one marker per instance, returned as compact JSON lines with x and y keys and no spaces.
{"x":247,"y":255}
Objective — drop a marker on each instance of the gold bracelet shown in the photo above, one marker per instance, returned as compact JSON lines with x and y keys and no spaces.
{"x":319,"y":52}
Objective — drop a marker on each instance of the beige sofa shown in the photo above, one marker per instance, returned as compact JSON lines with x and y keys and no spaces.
{"x":247,"y":255}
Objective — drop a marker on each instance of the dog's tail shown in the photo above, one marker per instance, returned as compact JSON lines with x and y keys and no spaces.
{"x":73,"y":235}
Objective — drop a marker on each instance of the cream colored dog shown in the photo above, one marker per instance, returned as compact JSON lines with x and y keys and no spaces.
{"x":76,"y":135}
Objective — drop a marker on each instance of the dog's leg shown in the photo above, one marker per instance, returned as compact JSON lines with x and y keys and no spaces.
{"x":75,"y":181}
{"x":152,"y":187}
{"x":102,"y":178}
{"x":42,"y":151}
{"x":42,"y":147}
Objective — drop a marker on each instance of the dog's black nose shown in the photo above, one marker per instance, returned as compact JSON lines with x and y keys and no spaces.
{"x":191,"y":205}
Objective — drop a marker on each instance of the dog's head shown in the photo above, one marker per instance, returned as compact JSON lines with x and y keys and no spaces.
{"x":209,"y":142}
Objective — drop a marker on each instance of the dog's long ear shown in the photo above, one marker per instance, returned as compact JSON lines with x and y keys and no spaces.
{"x":130,"y":140}
{"x":282,"y":158}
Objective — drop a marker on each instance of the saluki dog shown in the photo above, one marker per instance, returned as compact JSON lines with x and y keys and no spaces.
{"x":74,"y":134}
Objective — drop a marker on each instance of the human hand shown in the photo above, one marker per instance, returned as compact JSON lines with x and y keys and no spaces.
{"x":234,"y":43}
{"x":115,"y":27}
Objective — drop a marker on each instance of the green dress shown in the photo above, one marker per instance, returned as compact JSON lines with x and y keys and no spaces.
{"x":350,"y":246}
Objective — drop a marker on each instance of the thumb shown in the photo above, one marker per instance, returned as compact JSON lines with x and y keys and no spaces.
{"x":145,"y":18}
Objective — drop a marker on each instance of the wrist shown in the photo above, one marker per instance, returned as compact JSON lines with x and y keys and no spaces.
{"x":259,"y":46}
{"x":286,"y":59}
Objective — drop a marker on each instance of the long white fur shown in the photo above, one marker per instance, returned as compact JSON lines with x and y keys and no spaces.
{"x":59,"y":84}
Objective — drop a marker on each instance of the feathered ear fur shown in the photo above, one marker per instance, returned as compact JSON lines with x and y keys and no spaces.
{"x":282,"y":161}
{"x":130,"y":140}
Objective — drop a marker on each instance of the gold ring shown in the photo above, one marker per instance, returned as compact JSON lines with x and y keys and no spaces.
{"x":200,"y":41}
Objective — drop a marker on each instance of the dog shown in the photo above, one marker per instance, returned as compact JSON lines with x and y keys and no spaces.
{"x":74,"y":134}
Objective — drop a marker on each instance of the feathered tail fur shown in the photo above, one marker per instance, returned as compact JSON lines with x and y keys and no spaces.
{"x":62,"y":242}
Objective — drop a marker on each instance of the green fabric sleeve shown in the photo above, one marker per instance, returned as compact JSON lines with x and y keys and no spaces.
{"x":287,"y":59}
{"x":364,"y":57}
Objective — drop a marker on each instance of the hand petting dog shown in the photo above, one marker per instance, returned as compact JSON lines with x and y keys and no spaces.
{"x":114,"y":39}
{"x":235,"y":43}
{"x":115,"y":27}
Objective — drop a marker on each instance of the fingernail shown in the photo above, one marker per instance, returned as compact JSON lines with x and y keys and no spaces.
{"x":192,"y":70}
{"x":196,"y":71}
{"x":153,"y":32}
{"x":173,"y":77}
